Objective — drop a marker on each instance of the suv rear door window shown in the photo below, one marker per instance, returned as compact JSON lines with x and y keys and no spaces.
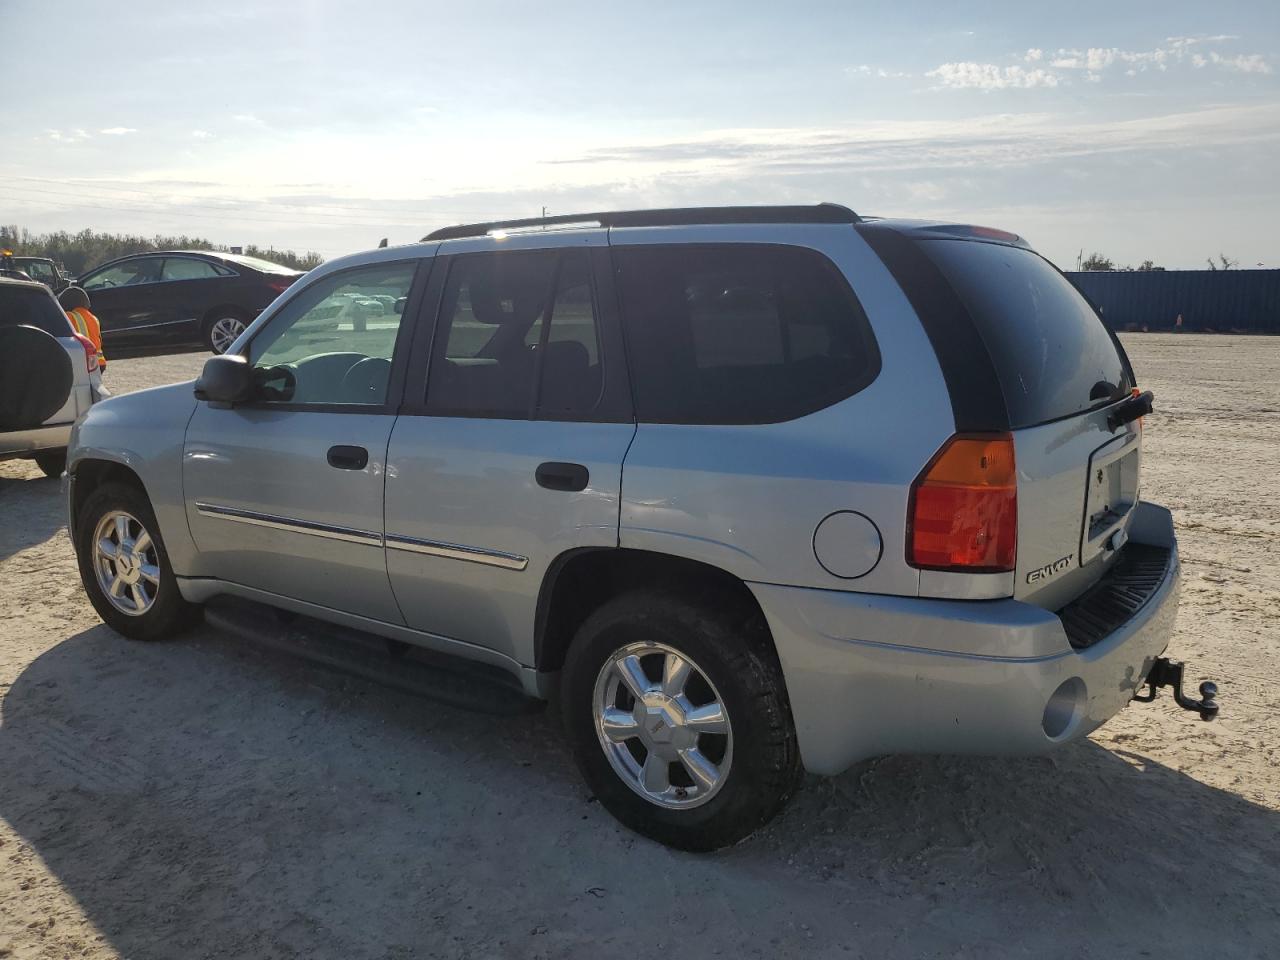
{"x":740,"y":333}
{"x":520,"y":338}
{"x":1053,"y":355}
{"x":32,"y":307}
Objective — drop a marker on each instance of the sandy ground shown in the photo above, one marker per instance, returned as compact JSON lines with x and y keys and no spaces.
{"x":206,"y":799}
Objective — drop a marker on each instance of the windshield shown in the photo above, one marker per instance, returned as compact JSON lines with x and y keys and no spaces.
{"x":1052,"y":353}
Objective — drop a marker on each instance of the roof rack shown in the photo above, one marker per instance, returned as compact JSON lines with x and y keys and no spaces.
{"x":676,"y":216}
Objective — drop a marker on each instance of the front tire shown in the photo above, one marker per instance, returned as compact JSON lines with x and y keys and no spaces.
{"x":125,"y":568}
{"x":678,"y":716}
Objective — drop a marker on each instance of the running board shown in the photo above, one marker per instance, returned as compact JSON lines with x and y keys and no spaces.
{"x":391,"y":663}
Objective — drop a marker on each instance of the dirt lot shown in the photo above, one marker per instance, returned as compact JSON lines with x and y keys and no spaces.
{"x":206,"y":799}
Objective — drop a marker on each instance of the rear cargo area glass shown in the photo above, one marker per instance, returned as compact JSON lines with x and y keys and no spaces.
{"x":1052,"y":354}
{"x":32,"y":307}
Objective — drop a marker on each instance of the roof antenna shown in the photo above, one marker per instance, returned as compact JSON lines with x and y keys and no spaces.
{"x":382,"y":243}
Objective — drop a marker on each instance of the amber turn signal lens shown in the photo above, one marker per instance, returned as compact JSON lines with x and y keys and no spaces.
{"x":964,"y":507}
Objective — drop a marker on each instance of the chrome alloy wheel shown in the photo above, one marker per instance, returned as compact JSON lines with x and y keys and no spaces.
{"x":126,"y":563}
{"x":663,"y":725}
{"x":224,"y":333}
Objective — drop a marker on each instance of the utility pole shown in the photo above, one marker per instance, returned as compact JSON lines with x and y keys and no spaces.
{"x":544,"y":217}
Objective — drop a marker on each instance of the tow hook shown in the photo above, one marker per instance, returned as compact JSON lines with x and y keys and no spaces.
{"x":1168,"y":673}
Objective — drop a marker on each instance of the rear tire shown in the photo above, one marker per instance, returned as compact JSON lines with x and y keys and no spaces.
{"x":125,"y":568}
{"x":222,"y":329}
{"x":693,"y":784}
{"x":52,"y":463}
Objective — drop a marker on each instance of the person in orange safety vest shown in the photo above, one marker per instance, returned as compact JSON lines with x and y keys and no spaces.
{"x":76,"y":303}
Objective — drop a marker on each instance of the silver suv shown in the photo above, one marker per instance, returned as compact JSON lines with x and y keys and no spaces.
{"x":753,"y":490}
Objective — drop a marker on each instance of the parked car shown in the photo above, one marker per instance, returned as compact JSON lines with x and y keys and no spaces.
{"x":182,"y":297}
{"x":48,"y":376}
{"x":756,"y":490}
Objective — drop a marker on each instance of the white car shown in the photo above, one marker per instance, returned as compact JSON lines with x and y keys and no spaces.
{"x":49,"y":376}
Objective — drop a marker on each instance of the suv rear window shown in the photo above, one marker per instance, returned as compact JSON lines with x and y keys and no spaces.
{"x":29,"y":307}
{"x":740,"y":333}
{"x":1052,"y":353}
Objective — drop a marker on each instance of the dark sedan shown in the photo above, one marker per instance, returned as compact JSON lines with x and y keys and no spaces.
{"x":181,"y":297}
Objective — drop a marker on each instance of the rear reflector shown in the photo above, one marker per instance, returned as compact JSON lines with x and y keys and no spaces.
{"x":90,"y":352}
{"x":963,"y":513}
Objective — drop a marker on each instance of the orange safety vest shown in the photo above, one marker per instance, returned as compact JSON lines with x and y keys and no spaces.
{"x":87,"y":325}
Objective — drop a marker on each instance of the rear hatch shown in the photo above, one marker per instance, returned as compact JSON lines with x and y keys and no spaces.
{"x":1061,"y":373}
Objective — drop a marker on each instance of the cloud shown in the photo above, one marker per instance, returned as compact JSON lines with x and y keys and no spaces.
{"x":866,"y":70}
{"x":201,"y":135}
{"x":250,"y":119}
{"x":71,"y":136}
{"x":1175,"y":50}
{"x":997,"y":140}
{"x":1094,"y":63}
{"x":989,"y":76}
{"x":1241,"y":63}
{"x":118,"y":131}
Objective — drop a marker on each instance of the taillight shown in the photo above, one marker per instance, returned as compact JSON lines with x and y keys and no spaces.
{"x":963,"y":513}
{"x":280,"y":284}
{"x":90,"y":352}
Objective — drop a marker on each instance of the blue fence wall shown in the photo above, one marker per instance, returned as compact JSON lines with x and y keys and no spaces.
{"x":1220,"y":300}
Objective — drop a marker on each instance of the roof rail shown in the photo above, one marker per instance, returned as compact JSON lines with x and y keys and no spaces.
{"x":675,"y":216}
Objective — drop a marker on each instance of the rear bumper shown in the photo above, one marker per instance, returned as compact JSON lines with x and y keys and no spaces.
{"x":869,"y":675}
{"x":24,"y":443}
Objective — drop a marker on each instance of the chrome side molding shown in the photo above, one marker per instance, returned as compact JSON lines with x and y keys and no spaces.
{"x":458,"y":551}
{"x":345,"y":534}
{"x":430,"y":548}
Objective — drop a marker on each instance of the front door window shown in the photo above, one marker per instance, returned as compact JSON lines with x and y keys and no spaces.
{"x":333,"y":342}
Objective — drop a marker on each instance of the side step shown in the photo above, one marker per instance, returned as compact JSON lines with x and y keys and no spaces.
{"x":392,"y":663}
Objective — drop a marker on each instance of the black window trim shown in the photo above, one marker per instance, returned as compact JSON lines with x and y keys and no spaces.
{"x":869,"y":375}
{"x":977,"y":402}
{"x":977,"y":398}
{"x":400,"y":353}
{"x":614,"y":403}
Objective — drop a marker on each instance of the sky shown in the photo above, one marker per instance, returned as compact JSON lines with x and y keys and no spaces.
{"x":1139,"y":130}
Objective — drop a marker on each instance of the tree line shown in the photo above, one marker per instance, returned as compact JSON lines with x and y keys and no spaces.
{"x":80,"y":252}
{"x":1097,"y":261}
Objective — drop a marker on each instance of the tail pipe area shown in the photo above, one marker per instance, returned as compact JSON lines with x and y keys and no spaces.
{"x":1168,"y":673}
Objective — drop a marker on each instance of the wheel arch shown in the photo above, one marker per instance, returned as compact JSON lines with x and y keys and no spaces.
{"x":578,"y":581}
{"x":225,"y":310}
{"x":88,"y":474}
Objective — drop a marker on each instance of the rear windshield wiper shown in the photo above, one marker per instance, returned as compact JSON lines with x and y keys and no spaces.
{"x":1138,"y":405}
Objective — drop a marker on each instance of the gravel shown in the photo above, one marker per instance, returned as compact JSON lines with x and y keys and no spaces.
{"x":205,"y":798}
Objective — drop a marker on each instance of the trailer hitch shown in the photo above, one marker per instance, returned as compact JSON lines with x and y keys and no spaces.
{"x":1168,"y":673}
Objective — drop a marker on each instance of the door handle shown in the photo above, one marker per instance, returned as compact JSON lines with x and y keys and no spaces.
{"x":569,"y":477}
{"x":348,"y":458}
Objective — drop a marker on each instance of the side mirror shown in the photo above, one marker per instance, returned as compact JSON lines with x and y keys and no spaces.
{"x":226,"y":379}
